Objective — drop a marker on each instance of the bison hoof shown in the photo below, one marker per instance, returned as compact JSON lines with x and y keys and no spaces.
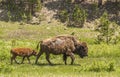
{"x":51,"y":64}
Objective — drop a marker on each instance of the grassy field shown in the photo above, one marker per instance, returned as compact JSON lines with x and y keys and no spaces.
{"x":102,"y":61}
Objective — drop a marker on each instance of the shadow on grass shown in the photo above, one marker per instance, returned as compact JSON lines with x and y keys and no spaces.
{"x":46,"y":64}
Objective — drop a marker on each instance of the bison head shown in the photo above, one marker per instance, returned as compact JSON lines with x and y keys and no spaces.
{"x":81,"y":49}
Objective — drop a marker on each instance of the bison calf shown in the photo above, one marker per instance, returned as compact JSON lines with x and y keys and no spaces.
{"x":24,"y":52}
{"x":66,"y":45}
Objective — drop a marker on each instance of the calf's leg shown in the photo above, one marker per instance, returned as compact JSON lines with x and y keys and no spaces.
{"x":23,"y":59}
{"x":13,"y":58}
{"x":28,"y":60}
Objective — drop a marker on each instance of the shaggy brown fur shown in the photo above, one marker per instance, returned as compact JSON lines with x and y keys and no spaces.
{"x":66,"y":45}
{"x":24,"y":52}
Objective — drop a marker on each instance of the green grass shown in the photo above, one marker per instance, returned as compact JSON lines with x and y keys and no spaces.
{"x":102,"y":61}
{"x":39,"y":32}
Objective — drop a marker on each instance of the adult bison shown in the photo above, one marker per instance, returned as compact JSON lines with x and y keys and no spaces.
{"x":66,"y":45}
{"x":24,"y":52}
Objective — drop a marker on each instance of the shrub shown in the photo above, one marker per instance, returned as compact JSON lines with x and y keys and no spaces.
{"x":108,"y":31}
{"x":21,"y":9}
{"x":111,"y":67}
{"x":78,"y":16}
{"x":63,"y":15}
{"x":100,"y":66}
{"x":73,"y":16}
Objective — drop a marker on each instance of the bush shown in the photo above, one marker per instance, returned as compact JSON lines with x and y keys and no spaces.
{"x":63,"y":15}
{"x":73,"y":16}
{"x":21,"y":9}
{"x":100,"y":66}
{"x":78,"y":16}
{"x":108,"y":31}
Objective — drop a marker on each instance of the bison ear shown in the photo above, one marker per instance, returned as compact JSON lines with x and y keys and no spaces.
{"x":84,"y":44}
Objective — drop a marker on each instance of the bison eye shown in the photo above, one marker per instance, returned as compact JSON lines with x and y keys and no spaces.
{"x":81,"y":47}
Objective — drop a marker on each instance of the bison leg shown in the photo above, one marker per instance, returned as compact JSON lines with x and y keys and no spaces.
{"x":65,"y":58}
{"x":69,"y":53}
{"x":39,"y":54}
{"x":28,"y":60}
{"x":23,"y":60}
{"x":47,"y":58}
{"x":13,"y":58}
{"x":72,"y":58}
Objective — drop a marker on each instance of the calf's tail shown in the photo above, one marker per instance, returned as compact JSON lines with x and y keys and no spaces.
{"x":11,"y":51}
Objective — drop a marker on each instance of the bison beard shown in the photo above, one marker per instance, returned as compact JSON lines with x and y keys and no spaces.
{"x":66,"y":45}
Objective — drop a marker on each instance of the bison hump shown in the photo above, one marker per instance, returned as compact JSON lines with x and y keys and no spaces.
{"x":58,"y":41}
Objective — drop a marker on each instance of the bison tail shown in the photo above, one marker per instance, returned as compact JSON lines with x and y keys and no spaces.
{"x":38,"y":45}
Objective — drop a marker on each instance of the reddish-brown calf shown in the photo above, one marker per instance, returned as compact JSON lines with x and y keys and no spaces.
{"x":24,"y":52}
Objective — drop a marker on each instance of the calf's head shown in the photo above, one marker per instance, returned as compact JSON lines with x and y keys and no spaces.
{"x":82,"y":49}
{"x":34,"y":53}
